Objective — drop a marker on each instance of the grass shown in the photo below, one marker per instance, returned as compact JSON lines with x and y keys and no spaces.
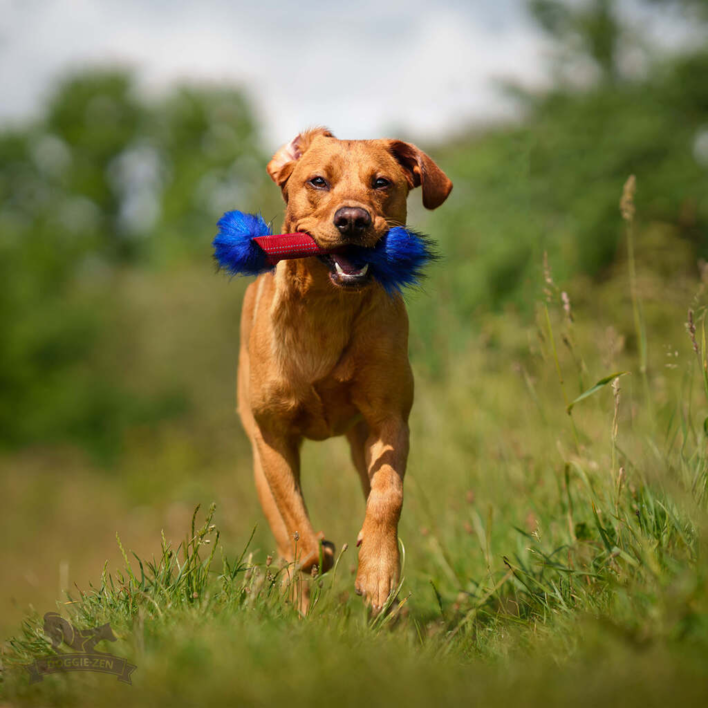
{"x":554,"y":527}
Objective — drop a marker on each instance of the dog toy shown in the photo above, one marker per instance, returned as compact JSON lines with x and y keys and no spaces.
{"x":246,"y":246}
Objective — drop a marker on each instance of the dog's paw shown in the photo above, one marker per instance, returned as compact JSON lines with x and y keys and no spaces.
{"x":378,"y":572}
{"x":310,"y":556}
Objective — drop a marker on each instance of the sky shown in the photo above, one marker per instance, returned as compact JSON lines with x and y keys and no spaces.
{"x":411,"y":68}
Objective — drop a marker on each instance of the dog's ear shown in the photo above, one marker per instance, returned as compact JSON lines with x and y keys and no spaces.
{"x":283,"y":162}
{"x":421,"y":171}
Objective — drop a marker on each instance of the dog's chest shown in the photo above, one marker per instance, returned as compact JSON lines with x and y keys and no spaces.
{"x":322,"y":407}
{"x":331,"y":412}
{"x":308,"y":355}
{"x":312,"y":350}
{"x":309,"y":347}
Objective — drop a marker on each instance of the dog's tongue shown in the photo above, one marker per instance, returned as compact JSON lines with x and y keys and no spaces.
{"x":345,"y":264}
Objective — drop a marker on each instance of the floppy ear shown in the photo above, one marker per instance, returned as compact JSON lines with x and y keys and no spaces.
{"x":421,"y":171}
{"x":281,"y":165}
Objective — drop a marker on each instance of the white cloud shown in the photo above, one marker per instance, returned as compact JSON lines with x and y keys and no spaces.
{"x":363,"y":68}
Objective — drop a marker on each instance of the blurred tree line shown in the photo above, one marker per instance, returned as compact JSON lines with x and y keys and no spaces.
{"x":102,"y":182}
{"x":105,"y":182}
{"x":616,"y":107}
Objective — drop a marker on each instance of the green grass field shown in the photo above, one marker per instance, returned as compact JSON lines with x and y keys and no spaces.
{"x":550,"y":558}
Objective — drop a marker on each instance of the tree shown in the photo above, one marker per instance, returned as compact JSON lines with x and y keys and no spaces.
{"x":101,"y":182}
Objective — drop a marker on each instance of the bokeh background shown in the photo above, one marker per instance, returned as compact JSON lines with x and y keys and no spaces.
{"x":127,"y":128}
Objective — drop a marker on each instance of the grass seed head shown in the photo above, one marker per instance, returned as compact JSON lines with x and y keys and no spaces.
{"x":691,"y":329}
{"x":627,"y":200}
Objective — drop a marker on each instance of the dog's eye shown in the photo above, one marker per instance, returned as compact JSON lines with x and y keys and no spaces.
{"x":381,"y":183}
{"x":319,"y":182}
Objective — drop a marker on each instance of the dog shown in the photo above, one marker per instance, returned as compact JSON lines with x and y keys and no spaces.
{"x":324,"y":349}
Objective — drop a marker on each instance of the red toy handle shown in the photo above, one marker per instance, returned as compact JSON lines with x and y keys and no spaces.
{"x":285,"y":246}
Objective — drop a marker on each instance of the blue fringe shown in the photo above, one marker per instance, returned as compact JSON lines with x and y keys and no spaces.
{"x":398,"y":259}
{"x":234,"y":249}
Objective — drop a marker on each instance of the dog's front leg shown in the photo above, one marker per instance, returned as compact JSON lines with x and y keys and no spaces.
{"x":279,"y":456}
{"x":386,"y":454}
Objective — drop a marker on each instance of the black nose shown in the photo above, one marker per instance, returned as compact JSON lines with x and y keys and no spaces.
{"x":352,"y":221}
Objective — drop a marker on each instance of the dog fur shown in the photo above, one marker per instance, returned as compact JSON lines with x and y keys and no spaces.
{"x":319,"y":358}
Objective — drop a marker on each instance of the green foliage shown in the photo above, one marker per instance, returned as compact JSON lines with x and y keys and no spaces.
{"x":103,"y":181}
{"x":585,"y":601}
{"x":551,"y":185}
{"x":588,"y":29}
{"x":106,"y":185}
{"x":553,"y":559}
{"x":567,"y":562}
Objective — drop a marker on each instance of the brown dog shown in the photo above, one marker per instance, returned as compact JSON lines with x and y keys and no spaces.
{"x":324,"y":349}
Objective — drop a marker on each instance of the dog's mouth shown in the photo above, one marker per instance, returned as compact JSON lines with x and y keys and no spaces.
{"x":345,"y":272}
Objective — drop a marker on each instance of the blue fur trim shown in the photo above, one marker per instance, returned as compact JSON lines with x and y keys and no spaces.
{"x":234,"y":249}
{"x":398,"y":259}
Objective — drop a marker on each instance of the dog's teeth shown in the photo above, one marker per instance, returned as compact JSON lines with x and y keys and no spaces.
{"x":350,"y":275}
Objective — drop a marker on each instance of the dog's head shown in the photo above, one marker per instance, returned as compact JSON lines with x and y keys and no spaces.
{"x":350,"y":192}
